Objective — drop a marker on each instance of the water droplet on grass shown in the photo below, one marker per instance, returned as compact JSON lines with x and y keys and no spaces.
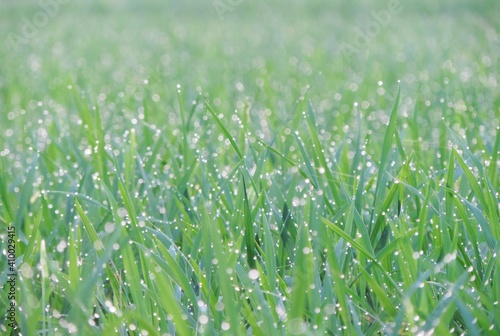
{"x":253,"y":274}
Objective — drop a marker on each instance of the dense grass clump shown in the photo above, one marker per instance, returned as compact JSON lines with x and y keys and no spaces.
{"x":264,"y":168}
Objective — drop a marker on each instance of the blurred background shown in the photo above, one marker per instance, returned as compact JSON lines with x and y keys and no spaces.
{"x":262,"y":54}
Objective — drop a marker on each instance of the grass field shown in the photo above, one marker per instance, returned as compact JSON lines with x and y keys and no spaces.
{"x":250,"y":167}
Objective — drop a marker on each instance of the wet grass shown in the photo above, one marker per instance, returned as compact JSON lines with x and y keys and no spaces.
{"x":170,"y":171}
